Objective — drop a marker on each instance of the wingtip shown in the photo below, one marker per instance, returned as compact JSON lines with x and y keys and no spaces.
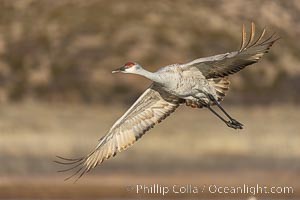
{"x":252,"y":26}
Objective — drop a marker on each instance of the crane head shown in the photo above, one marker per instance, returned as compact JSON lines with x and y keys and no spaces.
{"x":129,"y":67}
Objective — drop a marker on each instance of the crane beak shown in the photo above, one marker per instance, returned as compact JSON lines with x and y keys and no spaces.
{"x":118,"y":70}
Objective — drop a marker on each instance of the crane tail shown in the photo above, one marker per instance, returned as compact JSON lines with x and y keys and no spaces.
{"x":221,"y":86}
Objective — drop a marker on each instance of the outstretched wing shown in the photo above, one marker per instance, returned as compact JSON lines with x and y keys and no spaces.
{"x":152,"y":107}
{"x":229,"y":63}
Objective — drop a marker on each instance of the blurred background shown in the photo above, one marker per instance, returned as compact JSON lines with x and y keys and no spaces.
{"x":58,"y":96}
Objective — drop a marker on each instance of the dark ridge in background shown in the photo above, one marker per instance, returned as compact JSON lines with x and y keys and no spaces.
{"x":65,"y":50}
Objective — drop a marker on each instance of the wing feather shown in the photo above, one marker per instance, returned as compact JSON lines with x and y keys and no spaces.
{"x":243,"y":38}
{"x":152,"y":107}
{"x":229,"y":63}
{"x":252,"y":34}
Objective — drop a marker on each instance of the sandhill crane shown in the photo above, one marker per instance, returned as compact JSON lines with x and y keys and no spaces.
{"x":200,"y":83}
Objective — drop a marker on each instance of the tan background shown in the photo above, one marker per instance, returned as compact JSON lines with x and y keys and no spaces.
{"x":58,"y":96}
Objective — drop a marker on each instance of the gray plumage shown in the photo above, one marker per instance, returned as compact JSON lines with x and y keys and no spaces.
{"x":200,"y":83}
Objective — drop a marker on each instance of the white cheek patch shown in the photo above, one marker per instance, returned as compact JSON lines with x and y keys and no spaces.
{"x":130,"y":69}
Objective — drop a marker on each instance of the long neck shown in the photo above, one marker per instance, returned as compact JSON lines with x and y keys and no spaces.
{"x":150,"y":75}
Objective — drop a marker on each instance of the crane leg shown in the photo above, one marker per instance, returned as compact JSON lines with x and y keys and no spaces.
{"x":217,"y":114}
{"x":232,"y":122}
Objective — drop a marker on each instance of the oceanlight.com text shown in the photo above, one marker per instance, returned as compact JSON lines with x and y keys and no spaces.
{"x":253,"y":190}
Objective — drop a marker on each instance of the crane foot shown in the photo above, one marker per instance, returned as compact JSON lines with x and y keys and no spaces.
{"x":234,"y":124}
